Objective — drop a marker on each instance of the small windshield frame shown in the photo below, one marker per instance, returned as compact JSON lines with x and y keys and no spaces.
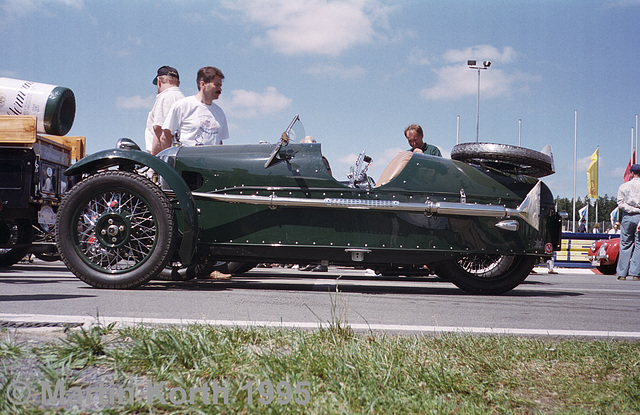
{"x":295,"y":131}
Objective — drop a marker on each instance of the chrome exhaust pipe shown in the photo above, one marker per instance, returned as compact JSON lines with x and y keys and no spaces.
{"x":528,"y":210}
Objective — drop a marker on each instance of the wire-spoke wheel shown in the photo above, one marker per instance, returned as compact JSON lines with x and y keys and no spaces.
{"x":486,"y":274}
{"x":116,"y":229}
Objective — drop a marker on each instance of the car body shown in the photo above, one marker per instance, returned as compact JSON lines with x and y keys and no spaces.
{"x":478,"y":226}
{"x":603,"y":255}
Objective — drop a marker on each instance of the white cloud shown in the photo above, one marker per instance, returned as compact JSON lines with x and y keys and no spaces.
{"x":456,"y":80}
{"x":325,"y":27}
{"x":250,"y":104}
{"x":621,"y":4}
{"x":10,"y":9}
{"x":336,"y":71}
{"x":135,"y":102}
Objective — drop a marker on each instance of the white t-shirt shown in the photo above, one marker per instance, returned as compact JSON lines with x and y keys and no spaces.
{"x":197,"y":124}
{"x":164,"y":101}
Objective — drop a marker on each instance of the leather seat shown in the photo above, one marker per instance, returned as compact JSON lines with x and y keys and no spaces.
{"x":394,"y":167}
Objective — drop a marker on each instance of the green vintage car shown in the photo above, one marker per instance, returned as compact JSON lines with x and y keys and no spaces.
{"x":480,"y":221}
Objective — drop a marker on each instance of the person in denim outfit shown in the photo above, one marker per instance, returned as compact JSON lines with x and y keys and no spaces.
{"x":629,"y":204}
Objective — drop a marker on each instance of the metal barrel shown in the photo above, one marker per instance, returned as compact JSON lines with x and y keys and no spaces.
{"x":54,"y":106}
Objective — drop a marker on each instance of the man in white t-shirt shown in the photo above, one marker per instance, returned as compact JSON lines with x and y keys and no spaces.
{"x":168,"y":82}
{"x":196,"y":120}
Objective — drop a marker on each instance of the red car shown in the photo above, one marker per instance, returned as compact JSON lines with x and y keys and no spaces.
{"x":603,"y":254}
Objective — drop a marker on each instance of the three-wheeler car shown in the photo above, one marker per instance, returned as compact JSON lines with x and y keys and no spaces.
{"x":481,"y":219}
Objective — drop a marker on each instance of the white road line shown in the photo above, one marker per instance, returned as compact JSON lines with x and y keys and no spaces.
{"x":88,"y":320}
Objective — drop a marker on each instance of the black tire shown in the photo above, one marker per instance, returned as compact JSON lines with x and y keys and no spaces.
{"x":20,"y":235}
{"x":12,"y":256}
{"x":486,"y":274}
{"x":116,"y":229}
{"x":503,"y":157}
{"x":608,"y":269}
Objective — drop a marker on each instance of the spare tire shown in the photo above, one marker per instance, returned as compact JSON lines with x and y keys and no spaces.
{"x":506,"y":158}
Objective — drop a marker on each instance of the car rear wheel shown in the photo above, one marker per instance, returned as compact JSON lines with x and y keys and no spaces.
{"x":238,"y":267}
{"x":504,"y":157}
{"x":486,"y":274}
{"x":45,"y":234}
{"x":116,"y":229}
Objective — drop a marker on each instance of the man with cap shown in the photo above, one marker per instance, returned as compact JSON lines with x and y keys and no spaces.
{"x":168,"y":83}
{"x":629,"y":204}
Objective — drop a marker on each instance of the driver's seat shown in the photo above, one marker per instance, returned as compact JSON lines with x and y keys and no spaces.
{"x":394,"y":167}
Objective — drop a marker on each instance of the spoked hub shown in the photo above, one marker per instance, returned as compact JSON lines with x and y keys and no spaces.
{"x":113,"y":230}
{"x":116,"y":230}
{"x":486,"y":266}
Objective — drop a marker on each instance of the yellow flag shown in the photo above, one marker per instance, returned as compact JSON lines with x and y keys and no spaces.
{"x":592,"y":176}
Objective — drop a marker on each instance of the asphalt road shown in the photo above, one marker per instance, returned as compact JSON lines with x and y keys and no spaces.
{"x":570,"y":303}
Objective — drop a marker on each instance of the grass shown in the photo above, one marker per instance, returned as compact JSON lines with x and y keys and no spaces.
{"x":345,"y":372}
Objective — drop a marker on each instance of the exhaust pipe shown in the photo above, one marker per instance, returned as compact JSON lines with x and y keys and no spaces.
{"x":528,"y":210}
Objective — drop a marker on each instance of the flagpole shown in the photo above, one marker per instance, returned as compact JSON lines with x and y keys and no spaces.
{"x":575,"y":150}
{"x":597,"y":182}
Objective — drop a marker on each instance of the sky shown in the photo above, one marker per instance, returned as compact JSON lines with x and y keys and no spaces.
{"x":356,"y":71}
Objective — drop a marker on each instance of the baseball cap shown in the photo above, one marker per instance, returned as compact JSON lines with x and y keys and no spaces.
{"x":166,"y":70}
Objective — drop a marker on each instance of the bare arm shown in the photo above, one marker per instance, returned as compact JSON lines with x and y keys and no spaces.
{"x":161,"y":142}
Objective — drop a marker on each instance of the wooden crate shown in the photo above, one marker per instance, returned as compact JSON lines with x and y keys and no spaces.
{"x":20,"y":130}
{"x":75,"y":144}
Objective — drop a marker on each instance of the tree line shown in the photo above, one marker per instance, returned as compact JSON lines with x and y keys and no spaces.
{"x":605,"y":204}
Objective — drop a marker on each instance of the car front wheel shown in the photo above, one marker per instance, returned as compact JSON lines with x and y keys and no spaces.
{"x":486,"y":274}
{"x":116,"y":229}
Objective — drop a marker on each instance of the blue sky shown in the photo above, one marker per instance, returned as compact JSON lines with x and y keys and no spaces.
{"x":357,"y":71}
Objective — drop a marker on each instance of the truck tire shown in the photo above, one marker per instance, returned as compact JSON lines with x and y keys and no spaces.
{"x":11,"y":256}
{"x":506,"y":158}
{"x":20,"y":235}
{"x":116,"y":229}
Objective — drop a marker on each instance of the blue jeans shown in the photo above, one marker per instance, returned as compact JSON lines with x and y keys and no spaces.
{"x":629,"y":258}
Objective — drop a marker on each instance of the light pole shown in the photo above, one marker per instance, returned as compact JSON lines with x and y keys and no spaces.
{"x":476,"y":65}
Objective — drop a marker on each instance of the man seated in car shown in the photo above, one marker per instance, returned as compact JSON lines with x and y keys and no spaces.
{"x":414,"y":135}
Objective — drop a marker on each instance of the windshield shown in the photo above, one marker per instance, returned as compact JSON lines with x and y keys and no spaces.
{"x":295,"y":131}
